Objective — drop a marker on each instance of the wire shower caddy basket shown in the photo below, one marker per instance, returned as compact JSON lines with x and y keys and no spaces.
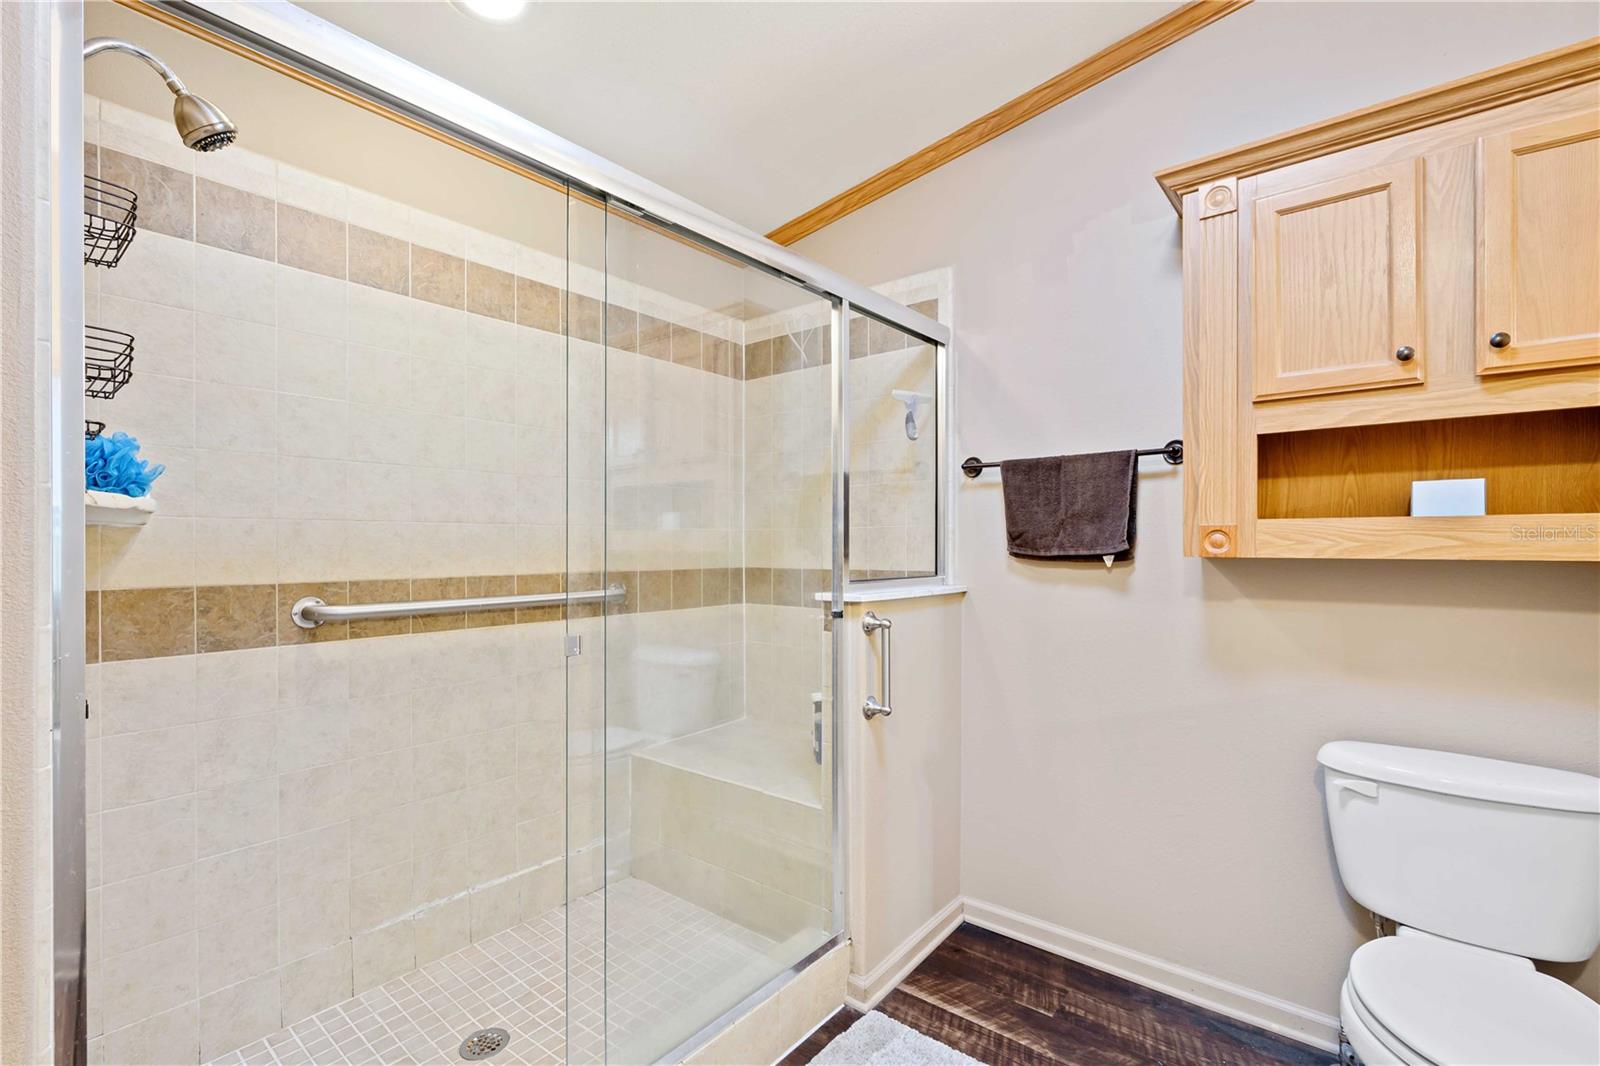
{"x":110,"y":220}
{"x":107,"y":361}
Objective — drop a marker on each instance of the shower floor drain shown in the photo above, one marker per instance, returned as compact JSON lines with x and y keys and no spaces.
{"x":483,"y":1043}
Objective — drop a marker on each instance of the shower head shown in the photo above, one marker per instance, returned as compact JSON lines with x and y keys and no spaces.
{"x":201,"y":124}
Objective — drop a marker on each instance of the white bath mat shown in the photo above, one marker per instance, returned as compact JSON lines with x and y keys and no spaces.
{"x":879,"y":1040}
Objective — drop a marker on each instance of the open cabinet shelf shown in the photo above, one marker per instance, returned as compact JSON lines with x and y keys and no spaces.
{"x":1345,"y":493}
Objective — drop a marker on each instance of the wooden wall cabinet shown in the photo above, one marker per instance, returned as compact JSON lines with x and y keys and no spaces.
{"x":1407,"y":292}
{"x":1539,"y":245}
{"x":1335,"y":285}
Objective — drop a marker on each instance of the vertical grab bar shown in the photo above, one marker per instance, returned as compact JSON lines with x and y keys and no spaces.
{"x":873,"y":708}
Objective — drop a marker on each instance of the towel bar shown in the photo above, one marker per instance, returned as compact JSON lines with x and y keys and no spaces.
{"x":1172,"y":452}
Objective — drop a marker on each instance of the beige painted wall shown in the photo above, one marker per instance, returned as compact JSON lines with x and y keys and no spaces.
{"x":1138,"y":745}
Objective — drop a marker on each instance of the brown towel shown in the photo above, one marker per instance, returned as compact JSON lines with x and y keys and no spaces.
{"x":1071,"y":506}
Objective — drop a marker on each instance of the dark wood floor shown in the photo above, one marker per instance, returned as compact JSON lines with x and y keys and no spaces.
{"x":1004,"y":1003}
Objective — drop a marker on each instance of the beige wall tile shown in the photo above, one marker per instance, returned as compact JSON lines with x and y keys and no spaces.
{"x":381,"y":896}
{"x":232,"y":219}
{"x":313,"y":918}
{"x":241,"y":946}
{"x":239,"y":1015}
{"x":310,"y":799}
{"x":321,"y":856}
{"x":235,"y":816}
{"x":380,"y":840}
{"x":540,"y":306}
{"x":312,"y":303}
{"x":443,"y":929}
{"x":313,"y":365}
{"x":383,"y":954}
{"x":437,"y":278}
{"x":494,"y":909}
{"x":140,"y":694}
{"x":587,"y":317}
{"x":234,"y":617}
{"x":146,"y":838}
{"x":161,"y":1040}
{"x":311,"y":241}
{"x":542,"y":889}
{"x":237,"y":881}
{"x":622,"y":328}
{"x":310,"y":984}
{"x":148,"y":766}
{"x":148,"y":980}
{"x":312,"y":734}
{"x":491,"y":292}
{"x":144,"y":623}
{"x":144,"y":910}
{"x":234,"y":683}
{"x":166,"y":195}
{"x":379,"y":261}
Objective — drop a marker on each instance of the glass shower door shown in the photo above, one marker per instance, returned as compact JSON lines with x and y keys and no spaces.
{"x":699,"y":720}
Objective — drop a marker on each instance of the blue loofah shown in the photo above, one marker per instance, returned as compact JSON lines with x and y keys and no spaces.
{"x":112,"y":464}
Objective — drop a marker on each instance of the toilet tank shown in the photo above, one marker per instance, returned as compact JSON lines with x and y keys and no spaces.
{"x":1498,"y":854}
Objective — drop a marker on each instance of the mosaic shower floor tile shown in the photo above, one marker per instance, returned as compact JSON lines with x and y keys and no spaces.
{"x":664,"y":954}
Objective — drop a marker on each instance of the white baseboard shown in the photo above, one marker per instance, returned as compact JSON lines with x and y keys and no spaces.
{"x":1243,"y":1004}
{"x":864,"y":992}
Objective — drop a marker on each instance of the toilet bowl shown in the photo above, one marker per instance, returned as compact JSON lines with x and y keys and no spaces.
{"x":1484,"y":865}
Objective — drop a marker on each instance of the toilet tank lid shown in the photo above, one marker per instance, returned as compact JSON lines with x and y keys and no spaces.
{"x":1465,"y":775}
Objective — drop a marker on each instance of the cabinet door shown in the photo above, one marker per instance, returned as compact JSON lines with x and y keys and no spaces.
{"x":1335,"y":290}
{"x":1539,"y":246}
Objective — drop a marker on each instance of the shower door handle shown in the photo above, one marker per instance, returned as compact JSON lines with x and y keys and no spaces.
{"x":873,"y":708}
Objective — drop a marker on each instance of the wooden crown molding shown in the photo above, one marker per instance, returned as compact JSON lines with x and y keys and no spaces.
{"x":1115,"y":58}
{"x":1561,"y":68}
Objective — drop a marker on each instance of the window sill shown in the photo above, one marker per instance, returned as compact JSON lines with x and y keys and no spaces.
{"x":858,"y":594}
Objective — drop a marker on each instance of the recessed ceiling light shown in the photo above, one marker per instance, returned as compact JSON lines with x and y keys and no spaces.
{"x":493,"y":10}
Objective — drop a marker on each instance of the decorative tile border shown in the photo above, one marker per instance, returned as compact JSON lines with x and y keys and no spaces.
{"x":154,"y":623}
{"x":157,"y":622}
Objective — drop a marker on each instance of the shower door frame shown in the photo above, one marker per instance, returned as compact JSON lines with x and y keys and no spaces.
{"x":302,"y":46}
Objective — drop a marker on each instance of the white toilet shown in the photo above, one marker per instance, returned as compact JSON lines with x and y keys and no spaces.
{"x":1483,"y":866}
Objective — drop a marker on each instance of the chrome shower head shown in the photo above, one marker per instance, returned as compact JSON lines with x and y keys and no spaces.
{"x":201,"y":124}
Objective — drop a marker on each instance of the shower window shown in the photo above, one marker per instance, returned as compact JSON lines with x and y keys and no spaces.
{"x":895,"y":427}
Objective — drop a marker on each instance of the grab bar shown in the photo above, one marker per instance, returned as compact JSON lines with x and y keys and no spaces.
{"x":873,"y":708}
{"x":309,"y":612}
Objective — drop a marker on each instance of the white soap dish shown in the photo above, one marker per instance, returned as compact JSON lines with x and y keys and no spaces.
{"x":115,"y":509}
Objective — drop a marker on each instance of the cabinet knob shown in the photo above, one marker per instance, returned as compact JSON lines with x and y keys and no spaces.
{"x":1499,"y":340}
{"x":1405,"y":354}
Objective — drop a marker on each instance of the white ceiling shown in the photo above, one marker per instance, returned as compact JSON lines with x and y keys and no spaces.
{"x":759,"y":111}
